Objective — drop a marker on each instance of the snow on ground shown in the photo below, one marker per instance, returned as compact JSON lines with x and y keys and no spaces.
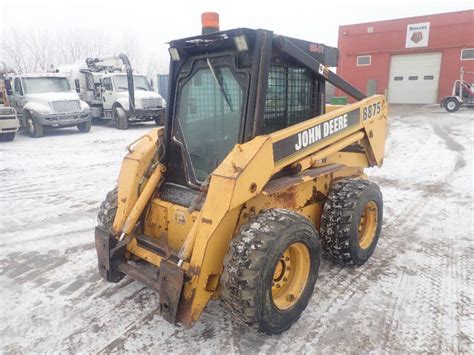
{"x":415,"y":294}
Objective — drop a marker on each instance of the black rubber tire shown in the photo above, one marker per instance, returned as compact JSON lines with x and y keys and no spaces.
{"x":120,"y":117}
{"x":453,"y":101}
{"x":105,"y":219}
{"x":249,"y":266}
{"x":7,"y":137}
{"x":108,"y":210}
{"x":84,"y":126}
{"x":33,"y":128}
{"x":340,"y":220}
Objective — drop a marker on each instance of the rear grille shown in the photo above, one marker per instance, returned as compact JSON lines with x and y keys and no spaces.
{"x":66,"y":106}
{"x":151,"y":103}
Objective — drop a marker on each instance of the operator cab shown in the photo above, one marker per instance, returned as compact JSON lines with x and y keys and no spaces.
{"x":231,"y":86}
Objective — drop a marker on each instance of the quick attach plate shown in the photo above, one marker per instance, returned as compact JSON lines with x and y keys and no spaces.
{"x":170,"y":287}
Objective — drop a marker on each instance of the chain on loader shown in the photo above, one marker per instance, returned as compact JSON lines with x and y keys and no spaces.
{"x":251,"y":179}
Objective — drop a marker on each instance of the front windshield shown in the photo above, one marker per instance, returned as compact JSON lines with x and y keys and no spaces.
{"x":45,"y":84}
{"x":139,"y":82}
{"x":209,"y":111}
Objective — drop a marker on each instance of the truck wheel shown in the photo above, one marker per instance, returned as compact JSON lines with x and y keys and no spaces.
{"x":270,"y":270}
{"x":120,"y":118}
{"x":351,"y":221}
{"x":451,"y":105}
{"x":34,"y":129}
{"x":84,"y":126}
{"x":7,"y":137}
{"x":105,"y":219}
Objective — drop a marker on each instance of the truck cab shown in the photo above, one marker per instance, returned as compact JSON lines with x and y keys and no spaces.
{"x":149,"y":105}
{"x":45,"y":100}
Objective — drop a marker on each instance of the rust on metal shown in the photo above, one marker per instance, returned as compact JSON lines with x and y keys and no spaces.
{"x":194,"y":271}
{"x":316,"y":197}
{"x":286,"y":198}
{"x":170,"y":287}
{"x":185,"y":307}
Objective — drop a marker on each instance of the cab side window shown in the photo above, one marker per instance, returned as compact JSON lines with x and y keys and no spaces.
{"x":107,"y":82}
{"x":17,"y":86}
{"x":291,"y":97}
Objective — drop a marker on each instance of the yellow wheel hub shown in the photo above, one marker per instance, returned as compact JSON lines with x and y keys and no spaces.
{"x":368,"y":225}
{"x":290,"y":276}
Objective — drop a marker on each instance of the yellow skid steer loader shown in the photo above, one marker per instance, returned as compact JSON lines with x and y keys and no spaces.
{"x":251,"y":176}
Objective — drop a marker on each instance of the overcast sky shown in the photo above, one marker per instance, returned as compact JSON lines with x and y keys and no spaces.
{"x":153,"y":22}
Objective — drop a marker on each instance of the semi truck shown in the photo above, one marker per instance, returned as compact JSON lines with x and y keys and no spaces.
{"x":114,"y":92}
{"x":46,"y":100}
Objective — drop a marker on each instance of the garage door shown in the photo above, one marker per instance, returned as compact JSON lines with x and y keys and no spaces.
{"x":414,"y":78}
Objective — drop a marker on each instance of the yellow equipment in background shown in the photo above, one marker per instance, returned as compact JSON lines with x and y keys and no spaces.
{"x":251,"y":175}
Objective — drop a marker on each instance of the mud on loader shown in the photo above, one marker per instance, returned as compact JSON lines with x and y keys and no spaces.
{"x":251,"y":176}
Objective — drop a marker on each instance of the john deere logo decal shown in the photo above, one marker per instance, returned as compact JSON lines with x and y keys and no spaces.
{"x":417,"y":37}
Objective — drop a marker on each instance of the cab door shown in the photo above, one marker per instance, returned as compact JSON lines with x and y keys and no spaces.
{"x":17,"y":99}
{"x":107,"y":93}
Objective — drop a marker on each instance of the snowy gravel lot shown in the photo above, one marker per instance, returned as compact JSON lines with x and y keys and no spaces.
{"x":416,"y":294}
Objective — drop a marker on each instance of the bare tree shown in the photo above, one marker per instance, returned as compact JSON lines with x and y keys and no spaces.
{"x":40,"y":51}
{"x":12,"y":46}
{"x":128,"y":45}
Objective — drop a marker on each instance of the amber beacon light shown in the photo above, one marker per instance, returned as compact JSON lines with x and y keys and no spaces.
{"x":210,"y":22}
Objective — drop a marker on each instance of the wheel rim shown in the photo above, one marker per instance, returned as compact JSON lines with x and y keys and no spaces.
{"x":290,"y":276}
{"x":451,"y":105}
{"x":30,"y":126}
{"x":368,"y":225}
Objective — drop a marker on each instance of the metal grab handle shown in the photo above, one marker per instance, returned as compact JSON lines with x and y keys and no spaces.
{"x":129,"y":147}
